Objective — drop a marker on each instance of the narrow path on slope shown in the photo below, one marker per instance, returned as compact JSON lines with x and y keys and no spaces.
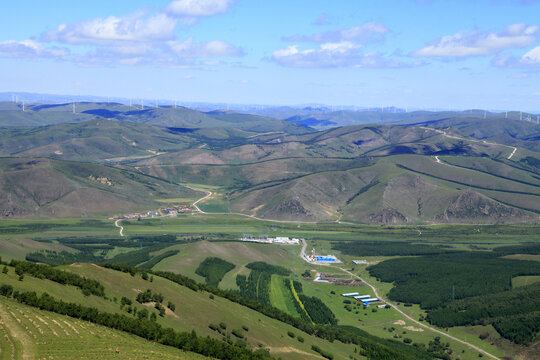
{"x":377,"y":295}
{"x":512,"y":154}
{"x":208,"y":194}
{"x":117,"y":224}
{"x":442,"y":132}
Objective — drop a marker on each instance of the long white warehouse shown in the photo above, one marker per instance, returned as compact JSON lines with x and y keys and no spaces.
{"x":350,"y":294}
{"x":362,"y":297}
{"x":370,"y":300}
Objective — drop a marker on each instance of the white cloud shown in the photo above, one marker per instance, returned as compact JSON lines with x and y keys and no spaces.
{"x":477,"y":43}
{"x":134,"y":28}
{"x":198,"y":8}
{"x":30,"y":49}
{"x":532,"y":57}
{"x":209,"y":49}
{"x":355,"y":33}
{"x":140,"y":38}
{"x":331,"y":55}
{"x":537,"y":93}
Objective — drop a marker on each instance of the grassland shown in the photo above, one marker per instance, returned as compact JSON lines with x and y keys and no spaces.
{"x":215,"y":227}
{"x":194,"y":310}
{"x":525,"y":280}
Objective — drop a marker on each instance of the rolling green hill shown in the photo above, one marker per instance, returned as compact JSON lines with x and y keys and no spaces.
{"x":12,"y":115}
{"x":54,"y":188}
{"x":213,"y":316}
{"x":30,"y":333}
{"x":449,"y":167}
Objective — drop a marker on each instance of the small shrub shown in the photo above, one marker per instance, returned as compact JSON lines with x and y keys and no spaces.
{"x":291,"y":334}
{"x":223,"y":325}
{"x":238,"y":333}
{"x":300,"y":339}
{"x":483,"y":336}
{"x":407,"y":340}
{"x":245,"y":328}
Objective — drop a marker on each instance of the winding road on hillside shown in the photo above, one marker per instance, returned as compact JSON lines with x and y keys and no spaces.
{"x":117,"y":224}
{"x":442,"y":132}
{"x":208,"y":194}
{"x":408,"y":317}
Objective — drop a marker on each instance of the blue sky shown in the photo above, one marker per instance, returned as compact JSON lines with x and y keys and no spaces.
{"x":407,"y":53}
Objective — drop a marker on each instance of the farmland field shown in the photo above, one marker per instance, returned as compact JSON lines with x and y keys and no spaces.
{"x":280,"y":296}
{"x":30,"y":333}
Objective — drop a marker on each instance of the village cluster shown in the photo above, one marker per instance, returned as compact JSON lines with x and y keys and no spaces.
{"x":162,"y":211}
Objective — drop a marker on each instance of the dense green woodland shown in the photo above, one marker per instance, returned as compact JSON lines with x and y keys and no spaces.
{"x":432,"y":279}
{"x":94,"y":250}
{"x":470,"y":288}
{"x":213,"y":269}
{"x":514,"y":313}
{"x":88,"y":286}
{"x":390,"y":248}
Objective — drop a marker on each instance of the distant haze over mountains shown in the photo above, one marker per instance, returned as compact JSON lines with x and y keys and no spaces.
{"x":265,"y":109}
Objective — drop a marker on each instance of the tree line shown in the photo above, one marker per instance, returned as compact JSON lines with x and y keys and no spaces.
{"x":87,"y":286}
{"x":434,"y":280}
{"x":370,"y":348}
{"x":143,"y":327}
{"x":386,"y":248}
{"x":513,"y":313}
{"x":213,"y":269}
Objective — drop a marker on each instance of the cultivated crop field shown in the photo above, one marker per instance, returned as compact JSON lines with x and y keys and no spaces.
{"x":30,"y":333}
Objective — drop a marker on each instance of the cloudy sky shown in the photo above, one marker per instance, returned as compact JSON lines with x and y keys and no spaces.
{"x":408,"y":53}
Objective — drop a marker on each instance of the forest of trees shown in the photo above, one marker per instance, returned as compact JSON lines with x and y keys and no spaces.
{"x":386,"y":248}
{"x":256,"y":286}
{"x":87,"y":286}
{"x":95,"y":249}
{"x":433,"y":280}
{"x":272,"y":269}
{"x":213,"y":269}
{"x":514,"y":313}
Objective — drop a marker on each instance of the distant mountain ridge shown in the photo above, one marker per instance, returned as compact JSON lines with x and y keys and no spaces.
{"x":445,"y":167}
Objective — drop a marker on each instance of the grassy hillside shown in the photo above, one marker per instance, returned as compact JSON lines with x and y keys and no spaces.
{"x":12,"y":115}
{"x":46,"y":187}
{"x":194,"y":310}
{"x":30,"y":333}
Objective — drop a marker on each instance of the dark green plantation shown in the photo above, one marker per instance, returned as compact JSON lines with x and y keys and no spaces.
{"x":470,"y":288}
{"x":213,"y":269}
